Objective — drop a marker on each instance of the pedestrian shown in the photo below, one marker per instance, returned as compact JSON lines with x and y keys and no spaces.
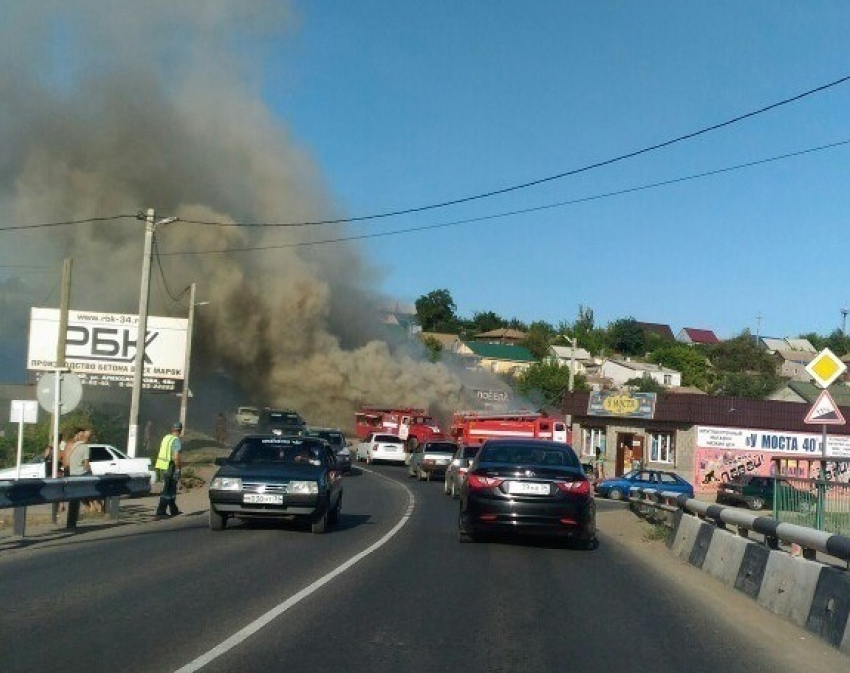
{"x":221,"y":428}
{"x":600,"y":463}
{"x":168,"y":460}
{"x":77,"y":453}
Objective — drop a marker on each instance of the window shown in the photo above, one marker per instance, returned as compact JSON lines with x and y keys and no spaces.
{"x":661,"y":447}
{"x":668,"y":379}
{"x":593,"y":437}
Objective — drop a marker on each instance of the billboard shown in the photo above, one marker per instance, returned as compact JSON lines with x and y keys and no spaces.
{"x":101,"y":347}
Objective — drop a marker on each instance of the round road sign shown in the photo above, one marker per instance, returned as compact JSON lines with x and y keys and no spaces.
{"x":70,"y":392}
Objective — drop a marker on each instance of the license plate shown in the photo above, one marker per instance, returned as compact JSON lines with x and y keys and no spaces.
{"x":390,"y":448}
{"x":526,"y":488}
{"x":262,"y":499}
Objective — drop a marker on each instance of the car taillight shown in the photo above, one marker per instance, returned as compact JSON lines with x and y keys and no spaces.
{"x":477,"y":481}
{"x":580,"y":487}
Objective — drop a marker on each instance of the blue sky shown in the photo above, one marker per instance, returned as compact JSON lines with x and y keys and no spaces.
{"x":407,"y":104}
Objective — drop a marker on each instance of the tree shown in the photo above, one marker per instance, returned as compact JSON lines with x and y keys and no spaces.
{"x":433,"y":347}
{"x":645,"y":384}
{"x":485,"y":322}
{"x":540,"y":335}
{"x":742,"y":368}
{"x":690,"y":360}
{"x":435,"y":311}
{"x":546,"y":383}
{"x":625,"y":336}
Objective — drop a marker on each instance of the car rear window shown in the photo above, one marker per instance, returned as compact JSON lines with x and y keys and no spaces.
{"x":283,"y":451}
{"x":393,"y":439}
{"x":441,"y":447}
{"x":518,"y":454}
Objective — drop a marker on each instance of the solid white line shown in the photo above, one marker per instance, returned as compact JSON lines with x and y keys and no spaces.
{"x":266,"y":619}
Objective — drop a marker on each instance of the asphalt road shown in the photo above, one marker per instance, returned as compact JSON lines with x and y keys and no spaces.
{"x":403,"y":595}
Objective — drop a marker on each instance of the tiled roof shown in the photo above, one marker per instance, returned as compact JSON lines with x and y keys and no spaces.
{"x":502,"y":333}
{"x":660,"y":329}
{"x":701,"y":336}
{"x":501,"y":352}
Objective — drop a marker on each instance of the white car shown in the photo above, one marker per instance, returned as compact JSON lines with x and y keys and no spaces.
{"x":103,"y":459}
{"x":247,"y":417}
{"x":380,"y":446}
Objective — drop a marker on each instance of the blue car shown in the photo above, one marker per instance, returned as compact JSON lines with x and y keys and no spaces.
{"x":618,"y":488}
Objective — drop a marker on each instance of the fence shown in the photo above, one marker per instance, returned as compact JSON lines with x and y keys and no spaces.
{"x":23,"y":493}
{"x":824,"y":505}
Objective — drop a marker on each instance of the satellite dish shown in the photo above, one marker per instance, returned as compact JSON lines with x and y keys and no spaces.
{"x":70,"y":392}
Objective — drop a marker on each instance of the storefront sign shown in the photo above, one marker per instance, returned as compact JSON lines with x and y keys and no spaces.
{"x":624,"y":405}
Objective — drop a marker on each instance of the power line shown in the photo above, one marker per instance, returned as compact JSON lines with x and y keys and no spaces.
{"x":539,"y":181}
{"x":523,"y":211}
{"x":44,"y":225}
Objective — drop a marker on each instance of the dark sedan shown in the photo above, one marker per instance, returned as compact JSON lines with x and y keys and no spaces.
{"x":527,"y":486}
{"x":757,"y":492}
{"x":271,"y":477}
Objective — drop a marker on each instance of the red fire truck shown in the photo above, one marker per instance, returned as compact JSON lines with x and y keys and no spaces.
{"x":411,"y":424}
{"x":471,"y":428}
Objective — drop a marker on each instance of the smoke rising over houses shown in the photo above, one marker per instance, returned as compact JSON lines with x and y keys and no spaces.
{"x":110,"y":108}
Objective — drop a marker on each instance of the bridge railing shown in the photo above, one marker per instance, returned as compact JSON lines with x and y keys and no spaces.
{"x":23,"y":493}
{"x":662,"y":505}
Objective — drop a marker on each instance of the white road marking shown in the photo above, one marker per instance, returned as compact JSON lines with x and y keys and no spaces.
{"x":266,"y":619}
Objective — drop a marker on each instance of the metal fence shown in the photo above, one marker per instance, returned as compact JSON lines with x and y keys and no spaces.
{"x":814,"y":503}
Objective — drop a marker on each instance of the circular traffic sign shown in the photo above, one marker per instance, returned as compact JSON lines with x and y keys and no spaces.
{"x":70,"y":391}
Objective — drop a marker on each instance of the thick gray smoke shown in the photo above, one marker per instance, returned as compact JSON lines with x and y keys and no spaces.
{"x":113,"y":107}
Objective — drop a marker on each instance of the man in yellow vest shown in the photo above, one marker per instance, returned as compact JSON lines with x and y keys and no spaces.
{"x":168,"y":462}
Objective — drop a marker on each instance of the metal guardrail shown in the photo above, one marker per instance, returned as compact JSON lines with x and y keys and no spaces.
{"x":810,"y":540}
{"x":24,"y":493}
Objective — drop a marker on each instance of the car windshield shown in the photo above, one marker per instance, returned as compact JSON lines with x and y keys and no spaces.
{"x":440,"y":447}
{"x":290,"y":451}
{"x":248,"y":410}
{"x":519,"y":454}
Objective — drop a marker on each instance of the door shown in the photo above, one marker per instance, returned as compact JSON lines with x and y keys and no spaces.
{"x":624,"y":453}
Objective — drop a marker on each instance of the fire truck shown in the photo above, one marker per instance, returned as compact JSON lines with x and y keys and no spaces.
{"x":472,"y":428}
{"x":411,"y":424}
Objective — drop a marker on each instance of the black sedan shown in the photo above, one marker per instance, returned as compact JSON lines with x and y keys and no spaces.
{"x":271,"y":477}
{"x":527,"y":486}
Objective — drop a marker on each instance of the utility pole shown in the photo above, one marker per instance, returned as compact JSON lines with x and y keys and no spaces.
{"x":844,"y":313}
{"x":61,"y":346}
{"x":184,"y":398}
{"x":572,"y":364}
{"x":138,"y":372}
{"x":758,"y":328}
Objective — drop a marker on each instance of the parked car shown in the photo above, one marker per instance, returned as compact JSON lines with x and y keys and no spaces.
{"x":103,"y":459}
{"x":757,"y":492}
{"x":336,"y":438}
{"x":247,"y":417}
{"x":527,"y":486}
{"x":383,"y":447}
{"x":457,"y":468}
{"x":273,"y":477}
{"x":618,"y":488}
{"x":429,"y":458}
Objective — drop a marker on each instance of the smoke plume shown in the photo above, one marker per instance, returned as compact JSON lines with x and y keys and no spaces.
{"x":109,"y":108}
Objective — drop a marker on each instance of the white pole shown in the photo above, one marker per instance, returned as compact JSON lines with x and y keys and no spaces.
{"x":20,"y":442}
{"x":57,"y":410}
{"x":184,"y":398}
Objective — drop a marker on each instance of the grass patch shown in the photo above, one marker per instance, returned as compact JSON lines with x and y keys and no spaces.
{"x":657,"y":532}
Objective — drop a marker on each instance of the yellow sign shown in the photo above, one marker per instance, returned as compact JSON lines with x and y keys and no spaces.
{"x":825,"y":368}
{"x":621,"y":404}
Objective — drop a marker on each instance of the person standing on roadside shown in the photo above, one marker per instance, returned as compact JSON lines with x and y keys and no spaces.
{"x":168,"y":461}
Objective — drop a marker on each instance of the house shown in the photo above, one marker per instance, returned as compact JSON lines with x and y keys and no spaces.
{"x":792,"y":364}
{"x":772,"y":344}
{"x":807,"y":392}
{"x":503,"y":335}
{"x":497,"y":358}
{"x":448,"y":342}
{"x":658,"y":329}
{"x":800,"y":345}
{"x":564,"y":355}
{"x":692,"y":335}
{"x":620,"y":371}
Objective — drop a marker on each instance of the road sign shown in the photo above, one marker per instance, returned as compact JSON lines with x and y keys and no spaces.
{"x":70,"y":392}
{"x":825,"y":411}
{"x":825,"y":367}
{"x":24,"y":411}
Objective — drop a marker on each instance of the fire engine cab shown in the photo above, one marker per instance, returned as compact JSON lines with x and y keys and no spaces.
{"x":472,"y":428}
{"x":413,"y":425}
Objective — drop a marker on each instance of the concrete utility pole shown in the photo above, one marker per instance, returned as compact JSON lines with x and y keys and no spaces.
{"x":573,"y":342}
{"x":61,"y":346}
{"x":184,"y":398}
{"x":844,"y":313}
{"x":138,"y":372}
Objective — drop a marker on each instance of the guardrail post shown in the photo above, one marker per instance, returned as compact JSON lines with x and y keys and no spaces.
{"x":113,"y":507}
{"x":771,"y":541}
{"x":20,"y":521}
{"x":73,"y":514}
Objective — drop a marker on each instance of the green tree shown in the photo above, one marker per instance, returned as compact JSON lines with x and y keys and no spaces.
{"x":435,"y":311}
{"x":837,"y":342}
{"x":433,"y":347}
{"x":742,"y":368}
{"x":645,"y":384}
{"x":690,"y":360}
{"x":540,"y":334}
{"x":484,"y":322}
{"x":625,"y":336}
{"x":545,"y":383}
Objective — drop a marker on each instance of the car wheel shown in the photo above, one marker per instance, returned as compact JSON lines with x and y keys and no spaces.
{"x":615,"y":494}
{"x":587,"y":544}
{"x":321,"y":524}
{"x":455,"y":494}
{"x":217,"y":521}
{"x":462,"y":534}
{"x":755,"y":503}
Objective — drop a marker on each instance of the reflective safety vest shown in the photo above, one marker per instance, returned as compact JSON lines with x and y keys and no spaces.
{"x":164,"y":456}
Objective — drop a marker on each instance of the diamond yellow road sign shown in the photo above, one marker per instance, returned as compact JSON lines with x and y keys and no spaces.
{"x":825,"y":368}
